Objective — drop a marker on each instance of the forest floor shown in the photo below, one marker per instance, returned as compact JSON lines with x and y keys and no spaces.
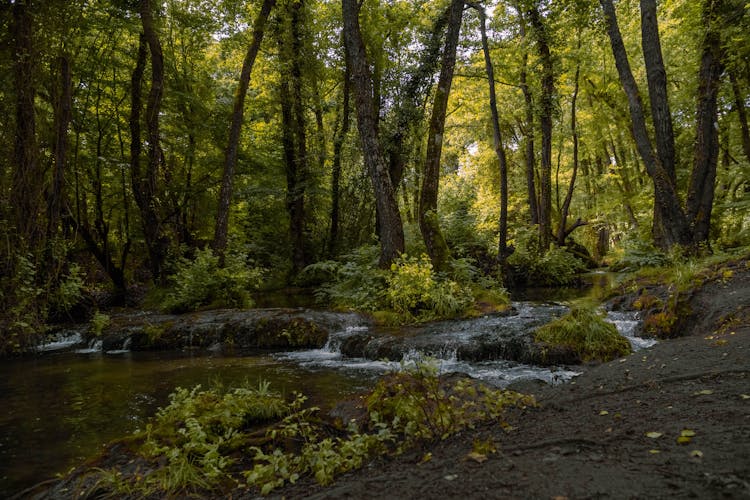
{"x":671,"y":421}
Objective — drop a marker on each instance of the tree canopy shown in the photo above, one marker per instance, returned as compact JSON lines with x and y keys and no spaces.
{"x":138,"y":133}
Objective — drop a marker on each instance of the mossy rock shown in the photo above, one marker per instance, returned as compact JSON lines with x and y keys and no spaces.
{"x":585,"y":332}
{"x":287,"y":332}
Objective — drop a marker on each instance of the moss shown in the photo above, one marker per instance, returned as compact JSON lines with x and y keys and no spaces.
{"x":386,"y":318}
{"x":587,"y":333}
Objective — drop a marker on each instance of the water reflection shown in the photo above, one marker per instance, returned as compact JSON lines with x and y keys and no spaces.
{"x":62,"y":408}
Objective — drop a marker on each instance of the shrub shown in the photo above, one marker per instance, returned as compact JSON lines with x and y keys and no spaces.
{"x":587,"y":333}
{"x":354,"y":283}
{"x":557,"y":267}
{"x":416,"y":291}
{"x":202,"y":282}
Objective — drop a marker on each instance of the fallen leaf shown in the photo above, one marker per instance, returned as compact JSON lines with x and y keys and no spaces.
{"x":603,"y":412}
{"x":451,"y":477}
{"x":696,"y":454}
{"x":654,"y":452}
{"x":704,"y":392}
{"x":426,"y":458}
{"x":654,"y":435}
{"x":745,"y":396}
{"x":684,"y":440}
{"x":687,"y":433}
{"x":721,"y":342}
{"x":477,"y":457}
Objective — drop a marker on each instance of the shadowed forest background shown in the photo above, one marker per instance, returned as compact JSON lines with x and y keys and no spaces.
{"x":414,"y":157}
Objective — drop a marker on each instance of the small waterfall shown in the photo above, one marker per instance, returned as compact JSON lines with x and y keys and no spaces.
{"x":95,"y":346}
{"x":627,"y":323}
{"x":62,"y":340}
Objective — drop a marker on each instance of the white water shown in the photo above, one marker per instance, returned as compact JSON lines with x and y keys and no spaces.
{"x":497,"y":372}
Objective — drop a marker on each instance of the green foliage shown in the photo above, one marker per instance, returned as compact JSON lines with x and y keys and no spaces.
{"x":202,"y":282}
{"x":637,"y":254}
{"x":356,"y":282}
{"x":556,"y":267}
{"x":199,"y":429}
{"x":421,"y":406}
{"x":98,"y":323}
{"x":586,"y":332}
{"x":416,"y":291}
{"x":410,"y":291}
{"x":68,"y":291}
{"x":21,"y":323}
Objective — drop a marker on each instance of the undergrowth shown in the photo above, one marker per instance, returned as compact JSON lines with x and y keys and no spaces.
{"x":215,"y":441}
{"x":410,"y":291}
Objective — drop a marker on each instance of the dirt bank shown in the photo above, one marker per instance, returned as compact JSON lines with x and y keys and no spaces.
{"x":672,"y":421}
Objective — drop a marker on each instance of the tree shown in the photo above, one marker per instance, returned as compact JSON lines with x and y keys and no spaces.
{"x":437,"y":248}
{"x":497,"y":139}
{"x":672,"y":225}
{"x":235,"y":128}
{"x":390,"y":227}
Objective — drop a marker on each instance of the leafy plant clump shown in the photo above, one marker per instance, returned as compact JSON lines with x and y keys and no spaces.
{"x":410,"y":291}
{"x":555,"y":267}
{"x":203,"y":282}
{"x":211,"y":441}
{"x":586,"y":332}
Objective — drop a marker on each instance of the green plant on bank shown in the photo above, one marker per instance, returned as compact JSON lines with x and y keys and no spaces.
{"x":585,"y":331}
{"x":211,"y":441}
{"x":22,"y":322}
{"x":203,"y":282}
{"x":99,"y":321}
{"x":555,"y":267}
{"x":199,"y":429}
{"x":409,"y":291}
{"x":416,"y":291}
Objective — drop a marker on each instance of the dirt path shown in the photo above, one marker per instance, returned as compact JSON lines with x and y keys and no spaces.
{"x":613,"y":433}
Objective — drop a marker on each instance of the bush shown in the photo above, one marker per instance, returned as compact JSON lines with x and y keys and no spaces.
{"x":202,"y":282}
{"x":557,"y":267}
{"x":355,"y":283}
{"x":587,"y":333}
{"x":638,"y":254}
{"x":415,"y":291}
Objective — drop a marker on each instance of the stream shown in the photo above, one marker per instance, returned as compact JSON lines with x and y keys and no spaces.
{"x":63,"y":406}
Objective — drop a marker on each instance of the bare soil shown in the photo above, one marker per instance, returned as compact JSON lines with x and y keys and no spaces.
{"x":671,"y":421}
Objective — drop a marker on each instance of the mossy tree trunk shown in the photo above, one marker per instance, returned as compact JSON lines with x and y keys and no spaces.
{"x":429,"y":224}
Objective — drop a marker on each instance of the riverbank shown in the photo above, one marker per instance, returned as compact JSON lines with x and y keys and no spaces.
{"x":669,"y":421}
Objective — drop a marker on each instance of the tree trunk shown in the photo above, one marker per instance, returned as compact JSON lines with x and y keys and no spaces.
{"x":145,"y":182}
{"x":294,"y":136}
{"x":656,"y":77}
{"x":545,"y":119}
{"x":338,"y":143}
{"x":235,"y":128}
{"x":390,"y":227}
{"x":27,"y":188}
{"x":63,"y":112}
{"x":739,"y":105}
{"x":706,"y":152}
{"x":502,"y":247}
{"x":561,"y":230}
{"x":673,"y":230}
{"x":528,"y":98}
{"x":429,"y":225}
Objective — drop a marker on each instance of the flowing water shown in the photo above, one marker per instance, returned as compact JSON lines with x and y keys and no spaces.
{"x":60,"y":408}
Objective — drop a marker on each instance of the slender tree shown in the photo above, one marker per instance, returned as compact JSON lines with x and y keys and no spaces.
{"x":390,"y":227}
{"x":235,"y":128}
{"x":437,"y":248}
{"x":497,"y":139}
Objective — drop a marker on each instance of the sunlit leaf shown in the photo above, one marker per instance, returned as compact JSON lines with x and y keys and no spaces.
{"x":654,"y":435}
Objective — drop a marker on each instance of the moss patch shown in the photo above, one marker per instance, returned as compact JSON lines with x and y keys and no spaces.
{"x":587,"y":333}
